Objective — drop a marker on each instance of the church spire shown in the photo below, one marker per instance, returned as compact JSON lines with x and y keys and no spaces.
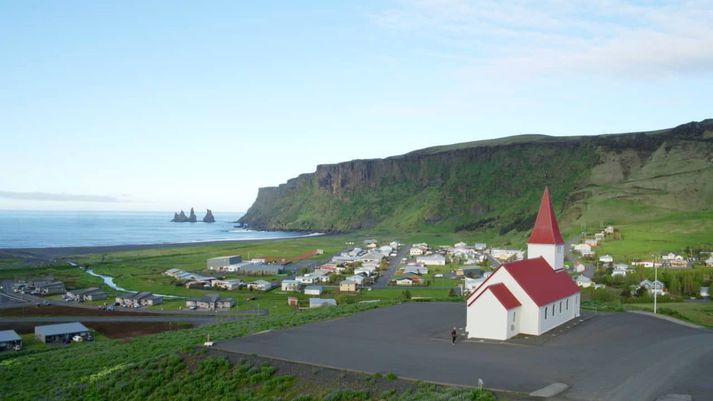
{"x":546,"y":230}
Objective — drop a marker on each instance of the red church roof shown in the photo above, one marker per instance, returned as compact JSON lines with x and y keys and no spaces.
{"x":546,"y":230}
{"x":542,"y":284}
{"x":501,"y":292}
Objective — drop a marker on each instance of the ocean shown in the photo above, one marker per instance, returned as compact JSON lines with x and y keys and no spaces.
{"x":40,"y":229}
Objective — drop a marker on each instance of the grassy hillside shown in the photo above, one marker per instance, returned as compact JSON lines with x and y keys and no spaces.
{"x":492,"y":187}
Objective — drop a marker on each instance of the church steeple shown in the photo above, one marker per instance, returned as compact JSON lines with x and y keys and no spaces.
{"x":546,"y":240}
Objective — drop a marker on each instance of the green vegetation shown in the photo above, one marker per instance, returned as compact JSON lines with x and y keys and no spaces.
{"x":655,"y":185}
{"x":168,"y":366}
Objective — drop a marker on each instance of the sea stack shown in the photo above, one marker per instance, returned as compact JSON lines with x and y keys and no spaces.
{"x":209,"y":217}
{"x":179,"y":217}
{"x":192,"y":217}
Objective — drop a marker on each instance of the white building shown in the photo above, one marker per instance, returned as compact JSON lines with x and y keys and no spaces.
{"x":583,"y":281}
{"x":432,"y":260}
{"x":531,"y":296}
{"x":606,"y":259}
{"x":313,"y":290}
{"x":290,"y":285}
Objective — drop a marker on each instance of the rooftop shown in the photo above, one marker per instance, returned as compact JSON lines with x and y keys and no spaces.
{"x":62,"y":328}
{"x":546,"y":230}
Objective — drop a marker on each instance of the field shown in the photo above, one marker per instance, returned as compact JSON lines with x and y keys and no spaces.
{"x":694,"y":312}
{"x":159,"y":366}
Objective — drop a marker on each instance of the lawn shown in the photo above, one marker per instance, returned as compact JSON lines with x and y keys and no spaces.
{"x":694,"y":312}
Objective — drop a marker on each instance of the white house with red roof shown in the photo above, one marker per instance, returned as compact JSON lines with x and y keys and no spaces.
{"x":530,"y":296}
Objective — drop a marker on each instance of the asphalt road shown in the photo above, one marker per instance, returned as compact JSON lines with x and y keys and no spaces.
{"x":613,"y":357}
{"x":394,"y":262}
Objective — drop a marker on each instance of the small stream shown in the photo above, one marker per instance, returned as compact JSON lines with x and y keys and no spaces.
{"x":109,"y":281}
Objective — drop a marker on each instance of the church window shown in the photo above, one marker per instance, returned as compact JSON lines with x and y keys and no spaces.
{"x":566,"y":304}
{"x":560,"y":306}
{"x":546,"y":313}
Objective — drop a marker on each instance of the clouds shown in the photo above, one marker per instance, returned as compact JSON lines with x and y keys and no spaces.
{"x":57,"y":197}
{"x":617,"y":38}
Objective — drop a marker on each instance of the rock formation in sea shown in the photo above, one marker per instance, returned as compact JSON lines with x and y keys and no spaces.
{"x":209,"y":217}
{"x":179,"y":217}
{"x":191,"y":218}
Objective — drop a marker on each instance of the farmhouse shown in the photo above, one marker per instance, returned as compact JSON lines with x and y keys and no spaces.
{"x":210,"y":302}
{"x":9,"y":340}
{"x":62,"y":332}
{"x":359,"y":280}
{"x":255,"y":269}
{"x":221,"y":262}
{"x":653,"y":287}
{"x":531,"y":296}
{"x":415,"y":269}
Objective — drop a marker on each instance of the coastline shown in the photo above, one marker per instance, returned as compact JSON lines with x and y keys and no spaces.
{"x":61,"y":252}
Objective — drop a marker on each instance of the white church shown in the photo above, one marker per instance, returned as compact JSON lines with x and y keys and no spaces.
{"x":530,"y":296}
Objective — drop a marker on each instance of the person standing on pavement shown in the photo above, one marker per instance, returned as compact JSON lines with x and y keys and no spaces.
{"x":454,"y":335}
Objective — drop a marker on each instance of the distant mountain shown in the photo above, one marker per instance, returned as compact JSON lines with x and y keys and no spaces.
{"x":494,"y":184}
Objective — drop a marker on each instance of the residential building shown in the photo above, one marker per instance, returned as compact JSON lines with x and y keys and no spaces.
{"x":415,"y":269}
{"x":259,"y":285}
{"x":255,"y":269}
{"x":51,"y":288}
{"x":531,"y":296}
{"x":469,"y":271}
{"x":61,"y":333}
{"x":606,"y":259}
{"x":704,"y":292}
{"x":313,"y":290}
{"x":432,"y":260}
{"x":210,"y":302}
{"x":229,"y":284}
{"x":292,"y":301}
{"x":480,"y":246}
{"x":653,"y":287}
{"x":583,"y":281}
{"x":290,"y":285}
{"x":86,"y":294}
{"x":138,"y":299}
{"x":220,"y":262}
{"x":9,"y":340}
{"x":359,"y":280}
{"x":348,"y":286}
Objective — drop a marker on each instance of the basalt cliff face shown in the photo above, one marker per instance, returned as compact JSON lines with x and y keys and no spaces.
{"x":493,"y":184}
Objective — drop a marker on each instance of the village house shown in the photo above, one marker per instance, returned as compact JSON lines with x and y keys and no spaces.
{"x":653,"y":287}
{"x":229,"y":284}
{"x":480,"y":246}
{"x":415,"y":269}
{"x":9,"y":340}
{"x":704,"y":292}
{"x":584,"y":249}
{"x":290,"y":285}
{"x":183,"y":275}
{"x":313,"y":290}
{"x":255,"y":269}
{"x":591,"y":242}
{"x":210,"y":302}
{"x":472,"y":284}
{"x":609,"y":230}
{"x":61,"y":333}
{"x":530,"y":296}
{"x":469,"y":271}
{"x":709,"y":261}
{"x":620,"y":269}
{"x":418,"y":250}
{"x":348,"y":286}
{"x":138,"y":299}
{"x":359,"y":280}
{"x":86,"y":294}
{"x":507,"y":255}
{"x":432,"y":260}
{"x":50,"y":288}
{"x":583,"y":281}
{"x":579,"y":268}
{"x":646,"y":263}
{"x":259,"y":285}
{"x":221,"y":262}
{"x":292,"y":301}
{"x":317,"y":276}
{"x":319,"y":302}
{"x":368,"y":270}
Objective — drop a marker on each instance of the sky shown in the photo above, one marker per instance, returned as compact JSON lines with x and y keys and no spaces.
{"x":167,"y":105}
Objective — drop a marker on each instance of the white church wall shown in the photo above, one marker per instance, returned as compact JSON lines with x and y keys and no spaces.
{"x":553,"y":254}
{"x":487,"y":318}
{"x":558,"y":312}
{"x":513,"y":324}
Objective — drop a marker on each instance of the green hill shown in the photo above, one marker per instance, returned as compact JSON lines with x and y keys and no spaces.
{"x":494,"y":185}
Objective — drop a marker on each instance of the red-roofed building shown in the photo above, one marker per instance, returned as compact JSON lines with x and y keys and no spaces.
{"x":529,"y":296}
{"x":546,"y":240}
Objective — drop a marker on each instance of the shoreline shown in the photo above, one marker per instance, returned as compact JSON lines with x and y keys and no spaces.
{"x":61,"y":252}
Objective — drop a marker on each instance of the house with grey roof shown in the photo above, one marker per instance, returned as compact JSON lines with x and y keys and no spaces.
{"x":63,"y":332}
{"x":138,"y":299}
{"x":9,"y":340}
{"x":220,"y":262}
{"x":85,"y":294}
{"x":210,"y":302}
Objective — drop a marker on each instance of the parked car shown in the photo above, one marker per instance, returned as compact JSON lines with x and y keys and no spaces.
{"x":77,"y":338}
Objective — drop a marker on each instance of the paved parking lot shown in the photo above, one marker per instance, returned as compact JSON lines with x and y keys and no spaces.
{"x":618,"y":356}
